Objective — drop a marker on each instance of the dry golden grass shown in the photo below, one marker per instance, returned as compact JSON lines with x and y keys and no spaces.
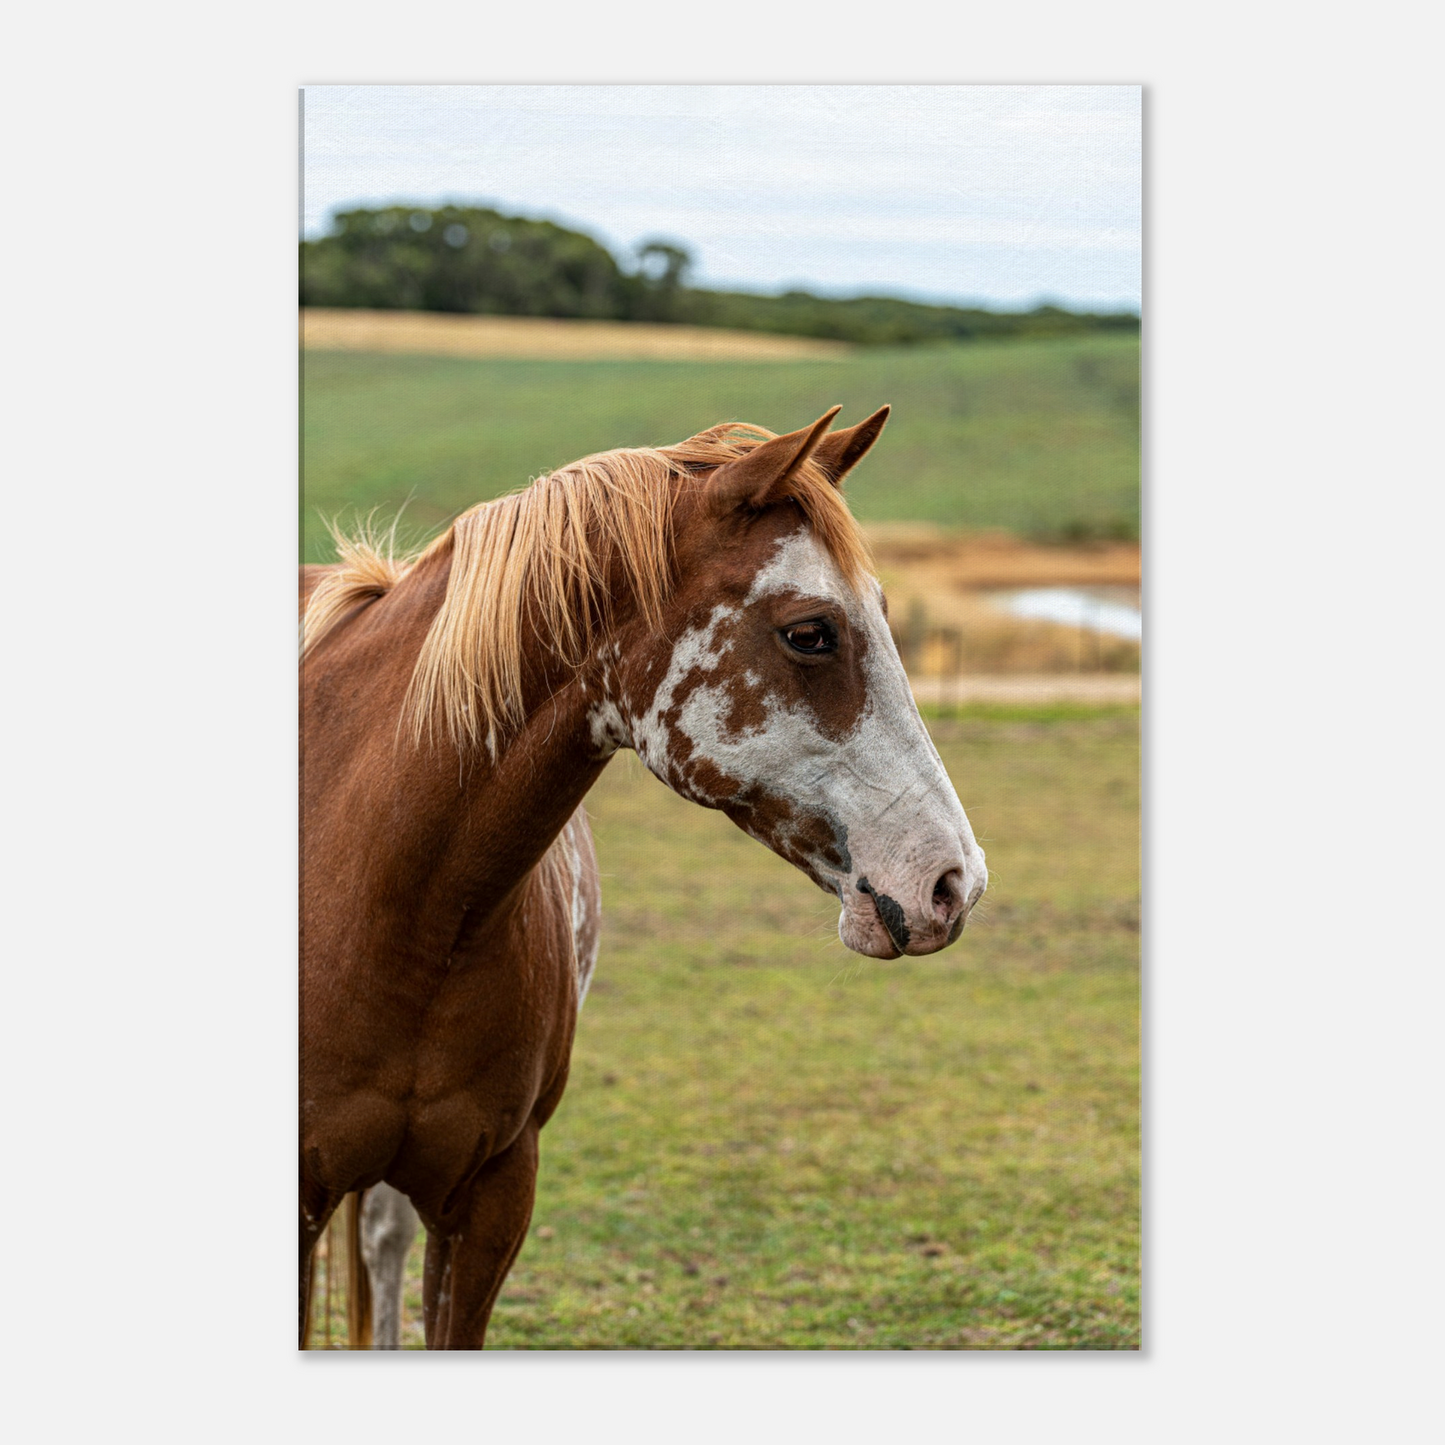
{"x":541,"y":338}
{"x":943,"y":634}
{"x":977,"y":561}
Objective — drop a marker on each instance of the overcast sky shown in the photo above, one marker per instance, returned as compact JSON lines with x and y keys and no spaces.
{"x":1006,"y":194}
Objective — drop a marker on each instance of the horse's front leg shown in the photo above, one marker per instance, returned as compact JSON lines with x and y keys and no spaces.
{"x":465,"y":1269}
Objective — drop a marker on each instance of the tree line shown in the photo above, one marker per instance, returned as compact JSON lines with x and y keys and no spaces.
{"x":474,"y":260}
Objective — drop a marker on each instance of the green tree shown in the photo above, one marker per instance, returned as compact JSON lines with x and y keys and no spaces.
{"x":472,"y":259}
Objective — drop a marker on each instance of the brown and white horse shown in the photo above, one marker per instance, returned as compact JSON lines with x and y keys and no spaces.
{"x":709,"y":605}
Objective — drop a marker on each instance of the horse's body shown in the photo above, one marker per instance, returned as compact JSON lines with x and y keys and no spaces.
{"x":708,"y":609}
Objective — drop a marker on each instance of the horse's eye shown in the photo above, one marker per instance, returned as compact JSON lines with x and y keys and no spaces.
{"x":811,"y":637}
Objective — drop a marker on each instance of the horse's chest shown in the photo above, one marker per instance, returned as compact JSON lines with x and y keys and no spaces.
{"x":491,"y":1035}
{"x":493,"y":1053}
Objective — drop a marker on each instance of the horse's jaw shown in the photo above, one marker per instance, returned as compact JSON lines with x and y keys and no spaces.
{"x":832,"y":770}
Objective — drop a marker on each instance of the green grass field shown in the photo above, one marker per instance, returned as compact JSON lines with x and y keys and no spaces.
{"x":1035,"y":437}
{"x":771,"y":1143}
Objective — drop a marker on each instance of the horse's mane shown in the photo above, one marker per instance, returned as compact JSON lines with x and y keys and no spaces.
{"x":536,"y":563}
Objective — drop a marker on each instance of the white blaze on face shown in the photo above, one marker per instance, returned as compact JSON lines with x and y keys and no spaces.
{"x":882,"y":790}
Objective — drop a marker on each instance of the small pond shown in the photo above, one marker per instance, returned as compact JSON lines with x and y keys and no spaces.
{"x":1111,"y":610}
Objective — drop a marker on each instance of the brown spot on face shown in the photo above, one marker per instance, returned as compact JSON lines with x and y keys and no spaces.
{"x":764,"y":816}
{"x":707,"y":780}
{"x":679,"y":746}
{"x":746,"y":708}
{"x":824,"y":837}
{"x":808,"y":839}
{"x":833,"y":689}
{"x":640,"y":686}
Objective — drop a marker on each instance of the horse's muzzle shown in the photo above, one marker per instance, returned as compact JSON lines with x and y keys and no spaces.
{"x":929,"y":916}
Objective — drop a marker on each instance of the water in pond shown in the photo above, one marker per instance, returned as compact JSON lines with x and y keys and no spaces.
{"x":1112,"y":610}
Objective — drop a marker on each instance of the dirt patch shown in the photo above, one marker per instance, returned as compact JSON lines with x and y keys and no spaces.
{"x":1030,"y":690}
{"x":538,"y":338}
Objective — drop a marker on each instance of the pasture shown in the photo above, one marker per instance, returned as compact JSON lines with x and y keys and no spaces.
{"x":1039,"y":437}
{"x":771,"y":1143}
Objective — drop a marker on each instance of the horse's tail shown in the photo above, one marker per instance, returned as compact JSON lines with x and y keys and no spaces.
{"x":307,"y":1289}
{"x":358,"y":1277}
{"x":358,"y":1281}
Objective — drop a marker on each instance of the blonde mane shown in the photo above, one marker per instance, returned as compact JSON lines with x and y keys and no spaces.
{"x":537,"y":563}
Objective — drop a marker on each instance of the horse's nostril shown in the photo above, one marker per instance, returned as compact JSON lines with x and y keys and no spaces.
{"x":948,"y":894}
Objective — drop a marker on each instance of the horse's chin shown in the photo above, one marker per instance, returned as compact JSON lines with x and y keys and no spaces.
{"x":864,"y":933}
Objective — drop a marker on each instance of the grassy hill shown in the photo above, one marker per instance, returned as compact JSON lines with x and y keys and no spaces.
{"x":1037,"y":437}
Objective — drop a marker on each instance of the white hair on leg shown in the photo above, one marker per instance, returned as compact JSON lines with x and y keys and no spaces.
{"x":388,"y":1227}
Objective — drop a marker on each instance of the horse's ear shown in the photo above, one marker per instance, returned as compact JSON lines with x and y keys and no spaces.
{"x":762,"y":475}
{"x":840,"y":451}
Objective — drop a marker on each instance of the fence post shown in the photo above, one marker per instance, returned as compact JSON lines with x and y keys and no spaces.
{"x":913,"y":643}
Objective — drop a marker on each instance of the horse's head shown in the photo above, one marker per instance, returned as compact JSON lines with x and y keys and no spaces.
{"x":774,"y":692}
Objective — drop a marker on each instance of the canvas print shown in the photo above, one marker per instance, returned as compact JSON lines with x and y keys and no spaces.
{"x":719,"y":692}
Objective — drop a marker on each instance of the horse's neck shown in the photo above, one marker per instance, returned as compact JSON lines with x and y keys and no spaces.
{"x":514,"y":809}
{"x":449,"y":833}
{"x":495,"y":818}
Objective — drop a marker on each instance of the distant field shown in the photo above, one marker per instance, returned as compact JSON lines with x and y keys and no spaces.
{"x":547,"y":338}
{"x":1039,"y":438}
{"x":771,"y":1143}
